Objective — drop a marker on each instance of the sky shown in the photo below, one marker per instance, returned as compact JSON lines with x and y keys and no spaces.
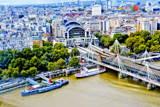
{"x":19,"y":2}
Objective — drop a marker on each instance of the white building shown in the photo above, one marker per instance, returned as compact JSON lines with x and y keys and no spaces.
{"x":96,"y":10}
{"x":147,"y":25}
{"x":104,"y":26}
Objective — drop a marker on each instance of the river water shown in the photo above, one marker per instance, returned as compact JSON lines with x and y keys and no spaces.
{"x":104,"y":90}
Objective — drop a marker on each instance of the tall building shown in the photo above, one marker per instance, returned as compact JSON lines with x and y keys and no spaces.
{"x":96,"y":10}
{"x":78,"y":2}
{"x":147,"y":24}
{"x":98,"y":2}
{"x":114,"y":2}
{"x":108,"y":4}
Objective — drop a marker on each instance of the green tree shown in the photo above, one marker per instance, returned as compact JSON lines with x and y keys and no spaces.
{"x":7,"y":73}
{"x":106,"y":41}
{"x":120,"y":37}
{"x":98,"y":35}
{"x":52,"y":66}
{"x":35,"y":46}
{"x":5,"y":58}
{"x":32,"y":71}
{"x":1,"y":71}
{"x":27,"y":53}
{"x":142,"y":48}
{"x":43,"y":65}
{"x":35,"y":61}
{"x":24,"y":73}
{"x":74,"y":62}
{"x":59,"y":46}
{"x":27,"y":65}
{"x":129,"y":53}
{"x":14,"y":72}
{"x":154,"y":48}
{"x":74,"y":52}
{"x":47,"y":43}
{"x":47,"y":49}
{"x":19,"y":62}
{"x":61,"y":63}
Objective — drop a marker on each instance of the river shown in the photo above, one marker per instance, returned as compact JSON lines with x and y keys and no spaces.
{"x":104,"y":90}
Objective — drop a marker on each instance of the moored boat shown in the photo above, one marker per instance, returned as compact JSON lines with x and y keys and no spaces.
{"x":44,"y":87}
{"x":87,"y":73}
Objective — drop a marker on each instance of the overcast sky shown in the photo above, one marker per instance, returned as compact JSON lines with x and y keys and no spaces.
{"x":14,"y":2}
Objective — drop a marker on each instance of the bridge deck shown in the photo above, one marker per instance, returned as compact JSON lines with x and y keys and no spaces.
{"x":123,"y":71}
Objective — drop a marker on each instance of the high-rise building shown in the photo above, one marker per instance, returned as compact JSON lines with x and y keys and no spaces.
{"x":114,"y":2}
{"x":147,"y":24}
{"x":98,"y":2}
{"x":108,"y":4}
{"x":78,"y":2}
{"x":96,"y":10}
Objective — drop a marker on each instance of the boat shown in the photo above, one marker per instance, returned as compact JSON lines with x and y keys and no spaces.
{"x":44,"y":87}
{"x":87,"y":73}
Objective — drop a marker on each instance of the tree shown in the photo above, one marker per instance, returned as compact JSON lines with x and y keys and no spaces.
{"x":27,"y":65}
{"x":129,"y":53}
{"x":27,"y":53}
{"x":142,"y":48}
{"x":47,"y":43}
{"x":106,"y":41}
{"x":5,"y":58}
{"x":59,"y":46}
{"x":43,"y":65}
{"x":38,"y":52}
{"x":74,"y":62}
{"x":74,"y":52}
{"x":7,"y":73}
{"x":61,"y":63}
{"x":120,"y":37}
{"x":1,"y":71}
{"x":19,"y":62}
{"x":98,"y":35}
{"x":35,"y":46}
{"x":15,"y":72}
{"x":24,"y":73}
{"x":52,"y":66}
{"x":32,"y":71}
{"x":154,"y":48}
{"x":47,"y":49}
{"x":61,"y":53}
{"x":35,"y":61}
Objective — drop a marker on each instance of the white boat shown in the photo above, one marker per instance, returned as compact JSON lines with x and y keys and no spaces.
{"x":87,"y":73}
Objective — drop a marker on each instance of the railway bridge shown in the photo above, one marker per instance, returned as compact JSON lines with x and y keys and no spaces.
{"x":125,"y":66}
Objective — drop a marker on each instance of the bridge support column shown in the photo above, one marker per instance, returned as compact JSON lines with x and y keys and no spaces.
{"x":149,"y":87}
{"x":121,"y":75}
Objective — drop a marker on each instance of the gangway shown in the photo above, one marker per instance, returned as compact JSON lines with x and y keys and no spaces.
{"x":31,"y":81}
{"x":43,"y":77}
{"x":45,"y":82}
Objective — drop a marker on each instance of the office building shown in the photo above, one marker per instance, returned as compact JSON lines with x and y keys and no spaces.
{"x":96,"y":10}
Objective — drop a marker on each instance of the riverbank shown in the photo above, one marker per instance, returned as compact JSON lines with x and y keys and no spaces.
{"x":104,"y":90}
{"x":20,"y":82}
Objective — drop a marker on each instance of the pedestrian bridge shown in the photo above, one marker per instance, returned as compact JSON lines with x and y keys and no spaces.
{"x":157,"y":83}
{"x":122,"y":64}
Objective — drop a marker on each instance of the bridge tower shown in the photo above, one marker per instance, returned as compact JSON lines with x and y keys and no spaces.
{"x":145,"y":55}
{"x":116,"y":47}
{"x":150,"y":77}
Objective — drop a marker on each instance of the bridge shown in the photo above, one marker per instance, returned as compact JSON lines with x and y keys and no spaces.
{"x":124,"y":65}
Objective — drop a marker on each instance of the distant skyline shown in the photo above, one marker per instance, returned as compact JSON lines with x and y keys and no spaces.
{"x":21,"y":2}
